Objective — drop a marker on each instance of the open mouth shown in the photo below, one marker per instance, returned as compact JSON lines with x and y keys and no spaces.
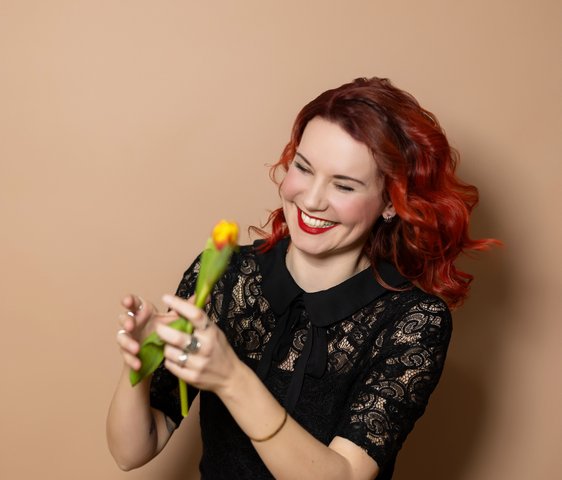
{"x":312,"y":224}
{"x":315,"y":222}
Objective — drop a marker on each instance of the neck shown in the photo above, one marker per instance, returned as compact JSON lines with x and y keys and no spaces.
{"x":314,"y":274}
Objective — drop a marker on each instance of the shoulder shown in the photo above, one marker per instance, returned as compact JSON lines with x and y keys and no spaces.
{"x":242,"y":255}
{"x":413,"y":316}
{"x":414,"y":300}
{"x":244,"y":259}
{"x":242,"y":269}
{"x":245,"y":252}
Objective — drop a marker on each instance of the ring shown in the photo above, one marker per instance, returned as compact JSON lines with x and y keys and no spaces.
{"x":193,"y":346}
{"x":121,"y":331}
{"x":182,"y":358}
{"x":131,"y":314}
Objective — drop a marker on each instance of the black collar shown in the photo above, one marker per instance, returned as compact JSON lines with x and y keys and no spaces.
{"x":325,"y":307}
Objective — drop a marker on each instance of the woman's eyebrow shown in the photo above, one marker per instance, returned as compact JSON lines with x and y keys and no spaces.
{"x":339,"y":177}
{"x":303,"y":158}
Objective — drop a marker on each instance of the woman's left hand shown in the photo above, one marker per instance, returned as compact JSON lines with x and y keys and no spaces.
{"x":210,"y":361}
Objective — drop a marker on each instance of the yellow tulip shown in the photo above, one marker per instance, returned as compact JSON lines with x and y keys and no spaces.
{"x":225,"y":233}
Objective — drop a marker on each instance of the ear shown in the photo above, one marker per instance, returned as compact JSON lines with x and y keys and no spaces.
{"x":388,"y":210}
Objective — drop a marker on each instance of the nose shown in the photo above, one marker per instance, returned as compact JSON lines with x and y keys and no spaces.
{"x":314,"y":198}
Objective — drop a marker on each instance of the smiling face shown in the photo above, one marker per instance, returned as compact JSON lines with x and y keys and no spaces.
{"x":332,"y":193}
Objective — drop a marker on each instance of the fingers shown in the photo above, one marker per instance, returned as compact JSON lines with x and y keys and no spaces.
{"x":141,"y":317}
{"x":185,"y":355}
{"x":182,"y":370}
{"x":129,"y":349}
{"x":131,"y":323}
{"x":180,"y":340}
{"x":187,"y":366}
{"x":127,"y":322}
{"x":178,"y":343}
{"x":133,"y":303}
{"x":127,"y":343}
{"x":203,"y":359}
{"x":138,"y":314}
{"x":187,"y":309}
{"x":132,"y":361}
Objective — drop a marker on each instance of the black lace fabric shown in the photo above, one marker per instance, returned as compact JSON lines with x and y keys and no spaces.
{"x":383,"y":362}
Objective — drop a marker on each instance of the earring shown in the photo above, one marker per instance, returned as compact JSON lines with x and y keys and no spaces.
{"x":388,"y":219}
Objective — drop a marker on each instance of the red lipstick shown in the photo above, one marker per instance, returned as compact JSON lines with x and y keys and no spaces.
{"x":312,"y":230}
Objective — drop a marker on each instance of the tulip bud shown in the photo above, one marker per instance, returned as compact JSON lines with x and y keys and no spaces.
{"x":225,"y":233}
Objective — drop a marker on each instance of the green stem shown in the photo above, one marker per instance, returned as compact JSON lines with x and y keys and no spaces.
{"x":182,"y":384}
{"x":183,"y":398}
{"x":200,"y":298}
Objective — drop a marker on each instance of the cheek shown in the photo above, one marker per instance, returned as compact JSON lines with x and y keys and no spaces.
{"x":289,"y":187}
{"x":359,"y":212}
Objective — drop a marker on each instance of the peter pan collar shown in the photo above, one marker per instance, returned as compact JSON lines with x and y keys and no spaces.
{"x":324,"y":307}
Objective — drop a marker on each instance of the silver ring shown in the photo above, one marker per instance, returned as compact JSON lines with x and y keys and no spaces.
{"x":193,"y":346}
{"x":121,"y":331}
{"x":131,"y":314}
{"x":182,"y":358}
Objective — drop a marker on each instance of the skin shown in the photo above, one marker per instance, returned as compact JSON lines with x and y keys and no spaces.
{"x":333,"y":179}
{"x":135,"y":432}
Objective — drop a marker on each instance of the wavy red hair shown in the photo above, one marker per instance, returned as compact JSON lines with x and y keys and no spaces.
{"x":417,"y":163}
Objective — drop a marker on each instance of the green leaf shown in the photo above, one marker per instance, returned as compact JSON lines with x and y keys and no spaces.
{"x":207,"y":260}
{"x":219,"y":265}
{"x":151,"y":355}
{"x":214,"y":262}
{"x":151,"y":352}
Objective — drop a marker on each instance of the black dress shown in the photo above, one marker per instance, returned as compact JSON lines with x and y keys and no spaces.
{"x":356,"y":361}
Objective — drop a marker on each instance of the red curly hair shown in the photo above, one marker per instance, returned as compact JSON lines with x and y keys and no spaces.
{"x":417,"y":163}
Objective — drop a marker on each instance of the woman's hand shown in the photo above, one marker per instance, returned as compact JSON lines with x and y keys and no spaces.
{"x":136,"y":324}
{"x":135,"y":431}
{"x":204,"y":359}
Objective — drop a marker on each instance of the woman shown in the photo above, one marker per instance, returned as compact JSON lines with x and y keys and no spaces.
{"x":321,"y":345}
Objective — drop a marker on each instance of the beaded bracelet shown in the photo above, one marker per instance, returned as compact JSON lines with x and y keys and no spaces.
{"x":277,"y":430}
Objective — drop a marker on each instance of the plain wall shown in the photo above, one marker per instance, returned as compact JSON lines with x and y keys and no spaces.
{"x":128,"y":128}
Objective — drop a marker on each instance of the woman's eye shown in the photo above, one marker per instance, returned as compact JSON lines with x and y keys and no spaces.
{"x":345,"y":188}
{"x":301,"y":167}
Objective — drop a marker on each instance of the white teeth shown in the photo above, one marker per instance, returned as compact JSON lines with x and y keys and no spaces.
{"x":314,"y":222}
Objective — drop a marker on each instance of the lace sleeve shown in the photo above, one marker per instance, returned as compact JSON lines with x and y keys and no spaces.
{"x":407,"y":361}
{"x":164,"y":392}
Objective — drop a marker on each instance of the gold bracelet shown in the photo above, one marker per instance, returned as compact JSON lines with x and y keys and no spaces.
{"x":277,"y":430}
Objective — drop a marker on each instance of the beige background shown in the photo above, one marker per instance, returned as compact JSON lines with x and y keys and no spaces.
{"x":127,"y":128}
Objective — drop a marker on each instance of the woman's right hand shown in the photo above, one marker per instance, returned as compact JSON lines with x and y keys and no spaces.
{"x":135,"y":431}
{"x":136,"y":324}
